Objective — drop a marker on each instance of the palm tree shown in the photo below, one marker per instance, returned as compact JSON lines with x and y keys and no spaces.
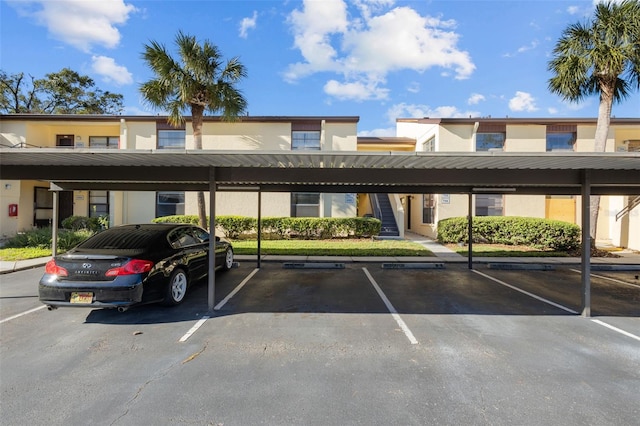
{"x":198,"y":82}
{"x":601,"y":57}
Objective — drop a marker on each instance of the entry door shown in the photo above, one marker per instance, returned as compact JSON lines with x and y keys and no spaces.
{"x":65,"y":205}
{"x":65,"y":198}
{"x":64,"y":140}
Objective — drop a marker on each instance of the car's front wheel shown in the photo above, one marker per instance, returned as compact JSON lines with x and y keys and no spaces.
{"x":176,"y":288}
{"x":228,"y":259}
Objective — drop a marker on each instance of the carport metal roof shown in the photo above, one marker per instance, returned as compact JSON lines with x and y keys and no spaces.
{"x":337,"y":171}
{"x":391,"y":172}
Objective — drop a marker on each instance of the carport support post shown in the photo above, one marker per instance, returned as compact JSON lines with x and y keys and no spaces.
{"x":54,"y":225}
{"x":470,"y":231}
{"x":211,"y":276}
{"x":259,"y":226}
{"x":585,"y":270}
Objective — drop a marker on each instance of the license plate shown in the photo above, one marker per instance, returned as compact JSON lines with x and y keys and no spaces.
{"x":81,"y":297}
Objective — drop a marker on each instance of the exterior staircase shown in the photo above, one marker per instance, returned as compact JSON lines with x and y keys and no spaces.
{"x":633,"y":202}
{"x":384,"y":211}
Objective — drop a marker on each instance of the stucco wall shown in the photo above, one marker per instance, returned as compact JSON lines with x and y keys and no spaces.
{"x":526,"y":138}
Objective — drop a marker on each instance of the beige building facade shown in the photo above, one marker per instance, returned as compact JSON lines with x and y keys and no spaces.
{"x":32,"y":201}
{"x":619,"y":216}
{"x":28,"y":204}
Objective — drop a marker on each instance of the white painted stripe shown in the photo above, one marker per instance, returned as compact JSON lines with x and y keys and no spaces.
{"x":542,"y":299}
{"x":23,"y":314}
{"x":626,"y":333}
{"x":235,"y":290}
{"x":391,"y":309}
{"x":607,"y":278}
{"x":218,"y":306}
{"x":194,"y":328}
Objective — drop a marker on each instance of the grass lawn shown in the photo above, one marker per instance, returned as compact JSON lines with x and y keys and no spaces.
{"x":499,"y":250}
{"x":13,"y":254}
{"x":338,"y":247}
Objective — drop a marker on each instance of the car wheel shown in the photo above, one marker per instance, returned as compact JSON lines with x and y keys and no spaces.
{"x":228,"y":259}
{"x":176,"y":288}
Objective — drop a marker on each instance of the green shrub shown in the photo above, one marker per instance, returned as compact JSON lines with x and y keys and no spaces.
{"x":289,"y":227}
{"x":93,"y":224}
{"x":41,"y":238}
{"x":69,"y":239}
{"x":538,"y":233}
{"x":190,"y":219}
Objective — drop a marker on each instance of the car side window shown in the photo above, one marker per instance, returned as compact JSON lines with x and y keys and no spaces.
{"x":182,"y":237}
{"x":200,"y":234}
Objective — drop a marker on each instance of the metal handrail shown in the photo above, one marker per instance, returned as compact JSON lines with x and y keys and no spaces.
{"x":625,"y":211}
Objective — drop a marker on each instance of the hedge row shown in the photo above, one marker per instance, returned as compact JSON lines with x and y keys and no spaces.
{"x":538,"y":233}
{"x":41,"y":238}
{"x":235,"y":227}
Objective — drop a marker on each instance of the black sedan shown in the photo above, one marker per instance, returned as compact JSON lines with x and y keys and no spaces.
{"x":131,"y":264}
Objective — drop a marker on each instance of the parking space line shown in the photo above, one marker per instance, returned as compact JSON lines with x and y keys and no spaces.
{"x":235,"y":290}
{"x":23,"y":314}
{"x":607,"y":278}
{"x":392,"y":310}
{"x":193,"y":329}
{"x":542,"y":299}
{"x":219,"y":306}
{"x":616,"y":329}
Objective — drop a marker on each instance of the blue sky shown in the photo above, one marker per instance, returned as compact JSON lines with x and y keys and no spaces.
{"x":376,"y":59}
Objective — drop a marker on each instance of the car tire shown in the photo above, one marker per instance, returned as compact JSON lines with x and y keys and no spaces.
{"x":176,"y":288}
{"x":228,"y":259}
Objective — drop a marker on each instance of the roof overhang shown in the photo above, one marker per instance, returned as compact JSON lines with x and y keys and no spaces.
{"x":336,"y":171}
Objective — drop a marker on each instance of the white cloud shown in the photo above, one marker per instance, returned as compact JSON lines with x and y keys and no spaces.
{"x":248,"y":24}
{"x":475,"y":99}
{"x":552,"y":110}
{"x":357,"y":91}
{"x":373,"y":44}
{"x":523,"y":49}
{"x":404,"y":110}
{"x":110,"y":71}
{"x":573,"y":10}
{"x":80,"y":23}
{"x":414,"y":87}
{"x":389,"y":131}
{"x":523,"y":101}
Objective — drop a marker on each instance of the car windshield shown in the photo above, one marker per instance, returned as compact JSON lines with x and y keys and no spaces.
{"x":129,"y":238}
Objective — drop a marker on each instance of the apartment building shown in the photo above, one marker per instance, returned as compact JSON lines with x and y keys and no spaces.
{"x":619,"y":216}
{"x":29,"y":204}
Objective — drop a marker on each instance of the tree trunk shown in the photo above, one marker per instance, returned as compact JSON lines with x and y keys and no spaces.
{"x":196,"y":115}
{"x":600,"y":141}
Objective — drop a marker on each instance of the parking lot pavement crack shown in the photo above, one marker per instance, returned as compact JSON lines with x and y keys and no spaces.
{"x":159,"y":375}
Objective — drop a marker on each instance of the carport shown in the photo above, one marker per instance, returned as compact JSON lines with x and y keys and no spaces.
{"x":583,"y":174}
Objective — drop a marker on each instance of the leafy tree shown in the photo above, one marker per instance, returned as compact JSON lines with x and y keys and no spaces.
{"x":198,"y":81}
{"x":600,"y":57}
{"x":64,"y":92}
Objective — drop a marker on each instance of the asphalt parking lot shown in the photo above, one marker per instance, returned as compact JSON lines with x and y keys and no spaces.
{"x":350,"y":346}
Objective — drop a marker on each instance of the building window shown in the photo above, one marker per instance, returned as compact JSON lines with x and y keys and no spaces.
{"x":429,"y":145}
{"x":110,"y":142}
{"x":560,"y":141}
{"x":171,"y":139}
{"x":169,"y":203}
{"x":98,"y":203}
{"x":305,"y":204}
{"x":633,"y":146}
{"x":428,"y":208}
{"x":490,"y":141}
{"x":489,"y":205}
{"x":305,"y":140}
